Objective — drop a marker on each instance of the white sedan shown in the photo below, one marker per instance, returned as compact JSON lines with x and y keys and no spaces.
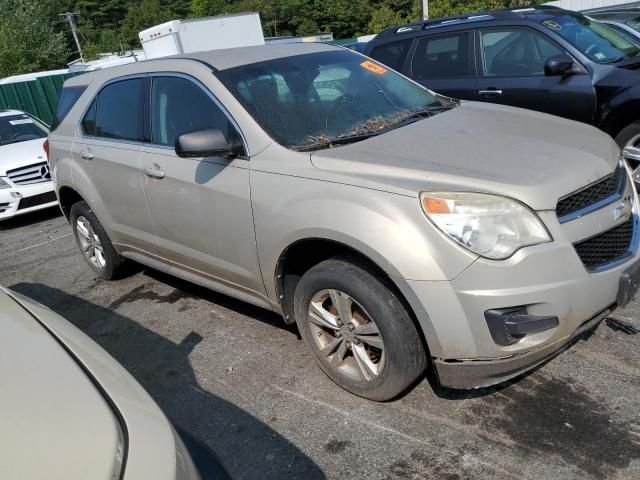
{"x":25,"y":179}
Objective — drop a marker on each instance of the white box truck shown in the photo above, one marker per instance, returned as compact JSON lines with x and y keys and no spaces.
{"x":199,"y":34}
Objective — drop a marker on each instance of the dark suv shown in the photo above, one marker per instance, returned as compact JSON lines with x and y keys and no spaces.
{"x":543,"y":58}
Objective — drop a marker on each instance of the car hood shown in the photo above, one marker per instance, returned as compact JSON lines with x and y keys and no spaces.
{"x":21,"y":154}
{"x":55,"y":424}
{"x":533,"y":157}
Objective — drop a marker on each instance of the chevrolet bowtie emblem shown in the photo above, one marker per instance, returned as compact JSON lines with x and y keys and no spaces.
{"x":623,"y":210}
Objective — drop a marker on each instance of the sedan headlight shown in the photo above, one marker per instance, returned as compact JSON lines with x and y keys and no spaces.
{"x":489,"y":225}
{"x":4,"y":184}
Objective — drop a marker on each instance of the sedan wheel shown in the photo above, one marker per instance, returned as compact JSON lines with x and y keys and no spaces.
{"x":90,"y":243}
{"x":346,"y":335}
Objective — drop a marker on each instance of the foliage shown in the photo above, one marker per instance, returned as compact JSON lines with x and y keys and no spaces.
{"x":27,"y":42}
{"x":113,"y":25}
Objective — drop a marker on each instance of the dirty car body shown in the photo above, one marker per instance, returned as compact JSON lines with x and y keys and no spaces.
{"x":495,"y":235}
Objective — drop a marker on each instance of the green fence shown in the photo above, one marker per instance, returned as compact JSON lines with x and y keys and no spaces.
{"x":38,"y":97}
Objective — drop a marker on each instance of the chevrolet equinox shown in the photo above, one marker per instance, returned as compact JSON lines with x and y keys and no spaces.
{"x":395,"y":226}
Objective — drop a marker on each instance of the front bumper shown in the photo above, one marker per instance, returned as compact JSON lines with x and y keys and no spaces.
{"x":466,"y":374}
{"x":19,"y":200}
{"x":548,"y":279}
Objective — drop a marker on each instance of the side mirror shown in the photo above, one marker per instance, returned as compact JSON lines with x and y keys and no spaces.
{"x":207,"y":143}
{"x":559,"y":65}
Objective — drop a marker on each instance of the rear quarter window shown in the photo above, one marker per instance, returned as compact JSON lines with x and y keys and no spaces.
{"x":68,"y":98}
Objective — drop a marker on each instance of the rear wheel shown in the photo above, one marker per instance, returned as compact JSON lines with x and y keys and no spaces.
{"x":94,"y":243}
{"x":358,"y":330}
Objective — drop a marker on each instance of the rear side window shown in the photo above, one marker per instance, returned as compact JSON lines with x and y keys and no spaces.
{"x":180,"y":106}
{"x":116,"y":112}
{"x":445,"y":56}
{"x":392,"y":54}
{"x":68,"y":98}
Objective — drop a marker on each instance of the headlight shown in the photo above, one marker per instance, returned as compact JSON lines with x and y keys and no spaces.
{"x":492,"y":226}
{"x":4,"y":184}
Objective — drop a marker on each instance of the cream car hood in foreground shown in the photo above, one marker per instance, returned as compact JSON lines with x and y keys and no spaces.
{"x":533,"y":157}
{"x":21,"y":154}
{"x":70,"y":411}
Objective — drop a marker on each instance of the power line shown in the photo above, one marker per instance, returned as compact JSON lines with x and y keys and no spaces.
{"x":71,"y":18}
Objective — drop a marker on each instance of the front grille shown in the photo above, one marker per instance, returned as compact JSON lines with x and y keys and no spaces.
{"x":606,"y":247}
{"x":35,"y":200}
{"x":36,"y":173}
{"x":592,"y":194}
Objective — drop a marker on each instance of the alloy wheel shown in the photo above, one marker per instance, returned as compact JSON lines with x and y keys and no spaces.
{"x":346,"y":335}
{"x":631,"y":153}
{"x":90,"y":243}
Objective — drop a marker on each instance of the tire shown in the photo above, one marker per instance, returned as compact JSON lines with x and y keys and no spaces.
{"x":94,"y":243}
{"x":365,"y":300}
{"x":627,"y":134}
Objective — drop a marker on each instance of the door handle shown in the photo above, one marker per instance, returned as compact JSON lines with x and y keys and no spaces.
{"x":154,"y":171}
{"x":490,"y":92}
{"x":86,"y":154}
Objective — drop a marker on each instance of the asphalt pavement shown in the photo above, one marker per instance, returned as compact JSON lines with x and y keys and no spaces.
{"x":237,"y":378}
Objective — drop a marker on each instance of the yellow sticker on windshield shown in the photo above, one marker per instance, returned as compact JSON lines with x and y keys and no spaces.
{"x":373,"y":67}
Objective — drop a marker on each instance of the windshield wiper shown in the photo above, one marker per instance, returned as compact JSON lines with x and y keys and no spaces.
{"x":423,"y":113}
{"x":339,"y":140}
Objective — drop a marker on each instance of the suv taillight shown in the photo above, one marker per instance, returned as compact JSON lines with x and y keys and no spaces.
{"x":45,"y":145}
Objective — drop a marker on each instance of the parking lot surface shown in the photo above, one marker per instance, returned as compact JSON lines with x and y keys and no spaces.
{"x":239,"y":379}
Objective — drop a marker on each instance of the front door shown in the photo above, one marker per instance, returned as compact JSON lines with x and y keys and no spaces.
{"x":512,"y":73}
{"x":200,"y":207}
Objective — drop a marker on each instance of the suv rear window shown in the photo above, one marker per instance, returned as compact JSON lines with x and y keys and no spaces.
{"x":444,"y":56}
{"x":68,"y":99}
{"x":392,"y":54}
{"x":116,"y":112}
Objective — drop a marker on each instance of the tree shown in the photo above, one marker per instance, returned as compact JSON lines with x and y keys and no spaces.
{"x":141,"y":16}
{"x":27,"y":41}
{"x":443,"y":8}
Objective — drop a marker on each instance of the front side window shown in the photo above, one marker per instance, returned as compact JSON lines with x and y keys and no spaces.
{"x":392,"y":54}
{"x":180,"y":106}
{"x":515,"y":52}
{"x":116,"y":112}
{"x":20,"y":128}
{"x":445,"y":56}
{"x":312,"y":99}
{"x":597,"y":41}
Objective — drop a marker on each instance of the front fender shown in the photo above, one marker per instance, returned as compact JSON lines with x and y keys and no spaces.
{"x":387,"y":228}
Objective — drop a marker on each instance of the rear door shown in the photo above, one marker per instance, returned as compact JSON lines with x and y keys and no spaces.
{"x":444,"y":63}
{"x":106,"y":155}
{"x":200,"y":207}
{"x":511,"y":72}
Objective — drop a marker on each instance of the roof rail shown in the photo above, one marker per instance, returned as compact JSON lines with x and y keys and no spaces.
{"x":469,"y":17}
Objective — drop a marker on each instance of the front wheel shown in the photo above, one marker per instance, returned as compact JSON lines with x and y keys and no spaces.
{"x":359,"y":332}
{"x":629,"y":142}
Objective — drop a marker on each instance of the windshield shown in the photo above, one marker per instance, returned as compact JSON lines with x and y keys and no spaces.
{"x":597,"y":41}
{"x":20,"y":128}
{"x":323,"y":99}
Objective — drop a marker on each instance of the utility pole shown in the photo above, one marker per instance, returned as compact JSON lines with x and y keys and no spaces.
{"x":425,"y":9}
{"x":70,"y":17}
